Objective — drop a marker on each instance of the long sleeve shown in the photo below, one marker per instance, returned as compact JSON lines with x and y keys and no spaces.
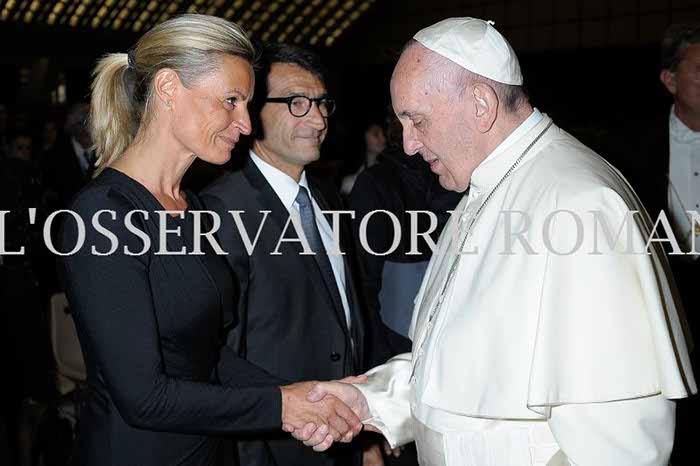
{"x":113,"y":306}
{"x":234,"y":371}
{"x":636,"y":432}
{"x":388,"y":395}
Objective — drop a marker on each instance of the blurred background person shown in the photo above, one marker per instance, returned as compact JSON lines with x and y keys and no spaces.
{"x":670,"y":163}
{"x":49,"y":137}
{"x":67,"y":163}
{"x":681,"y":77}
{"x":398,"y":184}
{"x":24,"y":338}
{"x":374,"y":144}
{"x":69,"y":157}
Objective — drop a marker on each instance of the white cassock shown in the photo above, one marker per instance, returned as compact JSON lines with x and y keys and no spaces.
{"x":558,"y":347}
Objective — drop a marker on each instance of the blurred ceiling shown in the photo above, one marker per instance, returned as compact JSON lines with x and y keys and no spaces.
{"x":529,"y":25}
{"x":310,"y":22}
{"x":347,"y":32}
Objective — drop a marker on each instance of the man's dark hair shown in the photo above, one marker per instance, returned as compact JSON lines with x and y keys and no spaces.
{"x":280,"y":53}
{"x":675,"y":43}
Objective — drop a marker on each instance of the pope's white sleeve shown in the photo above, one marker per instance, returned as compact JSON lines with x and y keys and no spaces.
{"x":388,"y":396}
{"x":637,"y":432}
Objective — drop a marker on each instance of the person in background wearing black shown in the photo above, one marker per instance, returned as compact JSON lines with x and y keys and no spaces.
{"x":668,"y":170}
{"x":162,"y":383}
{"x":69,"y":163}
{"x":374,"y":144}
{"x":662,"y":163}
{"x":24,"y":338}
{"x":398,"y":184}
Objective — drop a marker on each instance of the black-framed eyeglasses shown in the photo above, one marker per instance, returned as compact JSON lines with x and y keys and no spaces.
{"x":300,"y":105}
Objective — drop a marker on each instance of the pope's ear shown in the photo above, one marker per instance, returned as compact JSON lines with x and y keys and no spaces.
{"x":486,"y":106}
{"x":668,"y":78}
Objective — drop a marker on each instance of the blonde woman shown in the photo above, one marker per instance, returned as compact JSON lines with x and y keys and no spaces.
{"x":161,"y":380}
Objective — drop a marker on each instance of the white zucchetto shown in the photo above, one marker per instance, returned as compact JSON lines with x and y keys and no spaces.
{"x":473,"y":44}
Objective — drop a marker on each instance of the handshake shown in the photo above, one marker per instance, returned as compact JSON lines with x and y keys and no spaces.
{"x":321,"y":413}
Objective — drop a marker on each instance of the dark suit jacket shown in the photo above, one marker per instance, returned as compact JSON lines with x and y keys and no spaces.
{"x":289,"y":323}
{"x":399,"y":184}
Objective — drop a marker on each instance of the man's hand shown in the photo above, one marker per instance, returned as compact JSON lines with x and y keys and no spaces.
{"x":327,"y":419}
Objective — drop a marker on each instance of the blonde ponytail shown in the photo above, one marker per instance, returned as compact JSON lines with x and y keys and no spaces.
{"x":112,"y":118}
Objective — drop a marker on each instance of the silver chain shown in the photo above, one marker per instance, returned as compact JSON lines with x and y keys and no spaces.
{"x":455,"y":263}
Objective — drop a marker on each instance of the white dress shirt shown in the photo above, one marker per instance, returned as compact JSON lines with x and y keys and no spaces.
{"x":684,"y":182}
{"x":287,"y":189}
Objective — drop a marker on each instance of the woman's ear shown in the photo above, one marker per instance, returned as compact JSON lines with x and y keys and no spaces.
{"x":165,"y":85}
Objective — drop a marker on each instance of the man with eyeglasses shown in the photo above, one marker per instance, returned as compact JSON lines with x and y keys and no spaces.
{"x":301,"y":316}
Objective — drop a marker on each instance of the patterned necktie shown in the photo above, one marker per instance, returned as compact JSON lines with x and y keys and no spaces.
{"x":308,"y":222}
{"x":313,"y":237}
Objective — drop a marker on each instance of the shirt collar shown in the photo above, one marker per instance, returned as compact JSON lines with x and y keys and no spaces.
{"x":500,"y":160}
{"x":679,"y":131}
{"x":284,"y":185}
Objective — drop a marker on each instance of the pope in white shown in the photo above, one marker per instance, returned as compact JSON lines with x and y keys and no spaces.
{"x":545,"y":331}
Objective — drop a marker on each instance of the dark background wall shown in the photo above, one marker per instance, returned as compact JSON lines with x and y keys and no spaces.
{"x":591,"y":64}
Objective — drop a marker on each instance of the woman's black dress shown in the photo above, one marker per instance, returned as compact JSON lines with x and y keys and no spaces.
{"x":162,"y":383}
